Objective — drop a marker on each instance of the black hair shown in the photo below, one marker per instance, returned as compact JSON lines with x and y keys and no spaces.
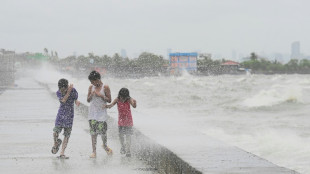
{"x":94,"y":75}
{"x":62,"y":83}
{"x":124,"y":94}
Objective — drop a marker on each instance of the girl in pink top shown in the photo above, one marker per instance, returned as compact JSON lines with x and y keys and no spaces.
{"x":125,"y":122}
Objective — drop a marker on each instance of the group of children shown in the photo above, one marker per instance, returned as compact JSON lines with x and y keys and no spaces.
{"x":98,"y":96}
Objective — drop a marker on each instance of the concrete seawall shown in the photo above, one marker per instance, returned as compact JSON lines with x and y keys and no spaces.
{"x":189,"y":153}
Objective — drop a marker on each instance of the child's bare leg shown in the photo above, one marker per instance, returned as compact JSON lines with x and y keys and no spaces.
{"x":105,"y":146}
{"x":94,"y":142}
{"x":121,"y":139}
{"x":64,"y":145}
{"x":55,"y":135}
{"x":128,"y":143}
{"x":104,"y":139}
{"x":104,"y":135}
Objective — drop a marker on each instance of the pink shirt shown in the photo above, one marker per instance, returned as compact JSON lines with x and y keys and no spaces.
{"x":124,"y":114}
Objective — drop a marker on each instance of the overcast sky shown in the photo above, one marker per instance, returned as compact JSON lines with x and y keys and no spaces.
{"x":107,"y":26}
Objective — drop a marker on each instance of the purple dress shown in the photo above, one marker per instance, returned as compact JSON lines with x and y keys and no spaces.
{"x":66,"y":110}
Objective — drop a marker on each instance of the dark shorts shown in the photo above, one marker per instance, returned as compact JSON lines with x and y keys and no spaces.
{"x":125,"y":130}
{"x":67,"y":130}
{"x":97,"y":127}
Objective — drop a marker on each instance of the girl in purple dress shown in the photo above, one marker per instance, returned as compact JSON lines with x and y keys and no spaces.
{"x":67,"y":96}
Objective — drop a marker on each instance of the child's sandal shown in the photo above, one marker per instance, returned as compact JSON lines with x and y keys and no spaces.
{"x":55,"y":149}
{"x":63,"y":157}
{"x":93,"y":155}
{"x":108,"y":150}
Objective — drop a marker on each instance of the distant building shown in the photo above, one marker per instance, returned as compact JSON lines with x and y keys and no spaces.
{"x":183,"y":61}
{"x":37,"y":56}
{"x":123,"y":53}
{"x":295,"y":50}
{"x":230,"y":63}
{"x":230,"y":67}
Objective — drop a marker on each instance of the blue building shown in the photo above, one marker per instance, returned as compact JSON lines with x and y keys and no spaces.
{"x":183,"y":61}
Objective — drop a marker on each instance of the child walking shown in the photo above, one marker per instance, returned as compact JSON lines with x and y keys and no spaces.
{"x":98,"y":95}
{"x":67,"y":96}
{"x":125,"y":121}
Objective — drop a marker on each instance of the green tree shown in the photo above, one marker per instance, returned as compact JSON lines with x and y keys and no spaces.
{"x":292,"y":65}
{"x":150,"y":63}
{"x":253,"y":56}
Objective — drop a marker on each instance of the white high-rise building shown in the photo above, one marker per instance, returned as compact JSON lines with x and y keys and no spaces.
{"x":295,"y":50}
{"x":123,"y":53}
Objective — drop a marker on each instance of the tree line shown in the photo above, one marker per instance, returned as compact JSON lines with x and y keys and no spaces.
{"x":264,"y":66}
{"x":149,"y":64}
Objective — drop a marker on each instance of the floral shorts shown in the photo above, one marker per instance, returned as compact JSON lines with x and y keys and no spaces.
{"x":97,"y":127}
{"x":67,"y":130}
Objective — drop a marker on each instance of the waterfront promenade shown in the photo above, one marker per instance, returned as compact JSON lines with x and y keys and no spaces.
{"x":27,"y":115}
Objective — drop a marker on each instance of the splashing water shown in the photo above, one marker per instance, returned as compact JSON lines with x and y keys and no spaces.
{"x":252,"y":112}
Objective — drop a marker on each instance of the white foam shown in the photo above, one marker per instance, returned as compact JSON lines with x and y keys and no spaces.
{"x":275,"y":95}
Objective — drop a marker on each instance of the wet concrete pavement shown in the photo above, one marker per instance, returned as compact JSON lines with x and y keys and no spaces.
{"x":27,"y":115}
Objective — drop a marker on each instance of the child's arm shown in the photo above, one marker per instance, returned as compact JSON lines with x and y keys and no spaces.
{"x":107,"y":93}
{"x":77,"y":103}
{"x":112,"y":104}
{"x":133,"y":102}
{"x":64,"y":100}
{"x":90,"y":94}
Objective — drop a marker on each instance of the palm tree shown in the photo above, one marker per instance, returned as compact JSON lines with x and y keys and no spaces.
{"x":253,"y":56}
{"x":46,"y":51}
{"x":56,"y":54}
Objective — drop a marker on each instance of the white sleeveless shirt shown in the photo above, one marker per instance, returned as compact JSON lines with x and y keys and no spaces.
{"x":96,"y":110}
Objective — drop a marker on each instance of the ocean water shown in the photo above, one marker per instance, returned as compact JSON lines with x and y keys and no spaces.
{"x":267,"y":115}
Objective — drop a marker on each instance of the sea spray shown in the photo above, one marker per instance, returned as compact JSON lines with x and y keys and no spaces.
{"x":279,"y":135}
